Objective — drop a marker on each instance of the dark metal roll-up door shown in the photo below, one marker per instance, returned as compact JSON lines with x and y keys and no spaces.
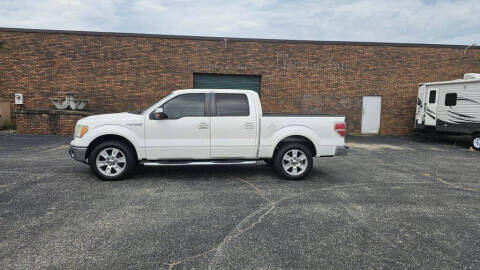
{"x":220,"y":81}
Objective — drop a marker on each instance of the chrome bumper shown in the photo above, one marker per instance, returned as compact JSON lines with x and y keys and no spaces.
{"x":77,"y":153}
{"x":341,"y":150}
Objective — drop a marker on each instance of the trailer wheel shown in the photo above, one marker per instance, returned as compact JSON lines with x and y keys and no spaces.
{"x":476,"y":141}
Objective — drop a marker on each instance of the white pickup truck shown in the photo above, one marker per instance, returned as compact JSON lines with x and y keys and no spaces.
{"x":200,"y":127}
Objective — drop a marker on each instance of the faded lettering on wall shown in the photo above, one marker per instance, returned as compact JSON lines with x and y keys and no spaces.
{"x":286,"y":62}
{"x":283,"y":61}
{"x":226,"y":67}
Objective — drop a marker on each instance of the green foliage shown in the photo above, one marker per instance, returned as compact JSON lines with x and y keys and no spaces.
{"x":7,"y":125}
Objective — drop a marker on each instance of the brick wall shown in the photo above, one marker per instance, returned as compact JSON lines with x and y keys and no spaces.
{"x":47,"y":122}
{"x":124,"y":72}
{"x":351,"y":107}
{"x":38,"y":124}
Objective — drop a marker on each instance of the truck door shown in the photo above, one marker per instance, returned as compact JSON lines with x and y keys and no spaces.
{"x":431,"y":107}
{"x":184,"y":134}
{"x":234,"y":126}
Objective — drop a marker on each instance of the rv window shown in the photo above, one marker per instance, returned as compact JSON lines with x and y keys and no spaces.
{"x":451,"y":99}
{"x":433,"y":96}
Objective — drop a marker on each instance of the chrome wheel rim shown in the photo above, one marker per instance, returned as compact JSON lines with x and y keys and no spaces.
{"x":294,"y":162}
{"x":111,"y":161}
{"x":476,"y":142}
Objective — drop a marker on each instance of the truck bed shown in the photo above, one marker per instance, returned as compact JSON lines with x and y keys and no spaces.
{"x":319,"y":128}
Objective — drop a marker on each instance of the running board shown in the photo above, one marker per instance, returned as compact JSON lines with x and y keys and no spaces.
{"x":191,"y":163}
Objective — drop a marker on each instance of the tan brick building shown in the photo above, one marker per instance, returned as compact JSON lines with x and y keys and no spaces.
{"x":119,"y":72}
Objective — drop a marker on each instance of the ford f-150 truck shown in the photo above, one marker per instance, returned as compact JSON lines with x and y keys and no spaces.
{"x":203,"y":126}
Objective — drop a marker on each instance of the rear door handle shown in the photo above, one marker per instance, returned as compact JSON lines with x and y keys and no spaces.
{"x":248,"y":125}
{"x":203,"y":125}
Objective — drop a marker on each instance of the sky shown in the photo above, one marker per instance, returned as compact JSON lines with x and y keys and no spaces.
{"x":409,"y":21}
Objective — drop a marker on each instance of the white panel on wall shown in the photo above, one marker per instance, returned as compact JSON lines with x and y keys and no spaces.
{"x":371,"y":110}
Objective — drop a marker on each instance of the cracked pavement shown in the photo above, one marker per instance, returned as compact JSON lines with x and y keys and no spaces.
{"x":393,"y":202}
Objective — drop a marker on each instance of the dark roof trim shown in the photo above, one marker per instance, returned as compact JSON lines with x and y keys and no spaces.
{"x":115,"y":34}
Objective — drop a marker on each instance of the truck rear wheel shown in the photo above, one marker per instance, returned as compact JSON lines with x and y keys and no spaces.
{"x":112,"y":160}
{"x":476,"y":141}
{"x":293,"y":161}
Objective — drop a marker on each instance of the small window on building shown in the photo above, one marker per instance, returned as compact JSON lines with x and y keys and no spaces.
{"x":451,"y":99}
{"x":231,"y":105}
{"x":433,"y":96}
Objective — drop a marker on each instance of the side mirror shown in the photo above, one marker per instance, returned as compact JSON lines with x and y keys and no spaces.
{"x":158,"y":114}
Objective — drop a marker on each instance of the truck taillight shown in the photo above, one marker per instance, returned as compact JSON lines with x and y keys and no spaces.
{"x":340,"y":128}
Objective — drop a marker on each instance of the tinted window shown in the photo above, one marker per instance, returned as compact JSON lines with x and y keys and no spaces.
{"x":451,"y":99}
{"x":231,"y":105}
{"x":433,"y":96}
{"x":185,"y":105}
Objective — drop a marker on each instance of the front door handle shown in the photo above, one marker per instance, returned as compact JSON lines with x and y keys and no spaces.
{"x":203,"y":125}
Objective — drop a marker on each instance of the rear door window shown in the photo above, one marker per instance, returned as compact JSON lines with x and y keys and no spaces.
{"x":231,"y":105}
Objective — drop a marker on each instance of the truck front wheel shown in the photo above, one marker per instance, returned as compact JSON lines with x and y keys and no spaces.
{"x":293,"y":161}
{"x":112,"y":160}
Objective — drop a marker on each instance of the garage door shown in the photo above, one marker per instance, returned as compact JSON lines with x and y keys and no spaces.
{"x":218,"y":81}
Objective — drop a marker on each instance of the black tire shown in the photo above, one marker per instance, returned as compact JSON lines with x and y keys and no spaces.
{"x":476,"y":141}
{"x":124,"y":150}
{"x":279,"y":163}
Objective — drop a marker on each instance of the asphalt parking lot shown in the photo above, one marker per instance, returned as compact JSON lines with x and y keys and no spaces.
{"x":404,"y":202}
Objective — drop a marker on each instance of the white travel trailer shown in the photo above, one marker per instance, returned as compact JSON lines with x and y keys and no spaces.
{"x":451,"y":107}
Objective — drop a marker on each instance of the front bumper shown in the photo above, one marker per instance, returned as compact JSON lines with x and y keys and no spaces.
{"x":78,"y":153}
{"x":341,"y":150}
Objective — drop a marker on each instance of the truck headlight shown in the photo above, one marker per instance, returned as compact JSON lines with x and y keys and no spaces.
{"x":80,"y":130}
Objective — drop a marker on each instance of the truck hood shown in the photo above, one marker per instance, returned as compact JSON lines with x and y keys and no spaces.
{"x":108,"y":116}
{"x":112,"y":118}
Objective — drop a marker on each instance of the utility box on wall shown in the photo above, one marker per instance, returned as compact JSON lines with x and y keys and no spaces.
{"x":19,"y":99}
